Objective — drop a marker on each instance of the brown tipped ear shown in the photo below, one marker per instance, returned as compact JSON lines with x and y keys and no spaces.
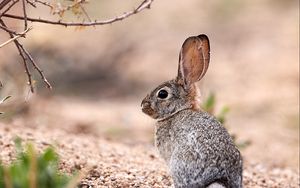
{"x":193,"y":59}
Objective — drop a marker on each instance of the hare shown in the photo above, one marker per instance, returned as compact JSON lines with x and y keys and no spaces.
{"x":198,"y":150}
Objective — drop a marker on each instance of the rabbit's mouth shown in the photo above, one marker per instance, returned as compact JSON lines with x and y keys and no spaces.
{"x":146,"y":108}
{"x":150,"y":112}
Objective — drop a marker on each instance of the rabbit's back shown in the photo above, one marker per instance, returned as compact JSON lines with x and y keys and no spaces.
{"x":198,"y":150}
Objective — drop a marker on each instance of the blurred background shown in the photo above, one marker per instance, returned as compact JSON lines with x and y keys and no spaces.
{"x":100,"y":74}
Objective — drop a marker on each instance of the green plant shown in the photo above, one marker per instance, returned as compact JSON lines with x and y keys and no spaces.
{"x":33,"y":170}
{"x":209,"y":106}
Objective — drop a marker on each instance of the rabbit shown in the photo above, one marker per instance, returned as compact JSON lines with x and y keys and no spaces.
{"x":198,"y":150}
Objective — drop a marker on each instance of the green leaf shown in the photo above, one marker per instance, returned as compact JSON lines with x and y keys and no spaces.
{"x":222,"y":114}
{"x":243,"y":144}
{"x":209,"y":104}
{"x":43,"y":167}
{"x":18,"y":145}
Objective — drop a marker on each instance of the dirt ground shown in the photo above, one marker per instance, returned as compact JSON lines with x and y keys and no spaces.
{"x":104,"y":163}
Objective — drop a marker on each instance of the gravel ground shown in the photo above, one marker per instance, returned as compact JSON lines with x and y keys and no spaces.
{"x":104,"y":163}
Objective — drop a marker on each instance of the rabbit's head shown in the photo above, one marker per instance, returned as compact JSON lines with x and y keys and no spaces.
{"x":180,"y":93}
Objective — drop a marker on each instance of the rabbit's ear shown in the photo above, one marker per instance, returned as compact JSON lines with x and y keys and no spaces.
{"x":193,"y":59}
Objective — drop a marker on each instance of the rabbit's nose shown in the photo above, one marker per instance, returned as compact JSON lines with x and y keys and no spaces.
{"x":146,"y":107}
{"x":145,"y":104}
{"x":144,"y":101}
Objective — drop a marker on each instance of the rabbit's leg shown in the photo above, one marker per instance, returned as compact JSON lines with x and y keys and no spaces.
{"x":236,"y":182}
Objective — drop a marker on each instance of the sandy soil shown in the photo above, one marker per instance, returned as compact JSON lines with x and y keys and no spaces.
{"x":105,"y":163}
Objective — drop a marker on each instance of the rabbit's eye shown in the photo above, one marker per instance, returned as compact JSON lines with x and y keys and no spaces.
{"x":163,"y":94}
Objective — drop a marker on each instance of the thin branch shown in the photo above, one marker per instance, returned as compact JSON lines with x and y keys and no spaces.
{"x":14,"y":32}
{"x":29,"y":76}
{"x":8,"y":30}
{"x":19,"y":47}
{"x":35,"y":2}
{"x":18,"y":35}
{"x":31,"y":3}
{"x":9,"y":41}
{"x":60,"y":11}
{"x":37,"y":68}
{"x":4,"y":3}
{"x":85,"y":13}
{"x":44,"y":3}
{"x":25,"y":56}
{"x":9,"y":7}
{"x":145,"y":4}
{"x":25,"y":14}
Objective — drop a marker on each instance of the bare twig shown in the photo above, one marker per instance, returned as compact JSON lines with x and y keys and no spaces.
{"x":60,"y":11}
{"x":76,"y":6}
{"x":4,"y":3}
{"x":35,"y":2}
{"x":85,"y":13}
{"x":145,"y":4}
{"x":37,"y":68}
{"x":9,"y":41}
{"x":19,"y":47}
{"x":25,"y":14}
{"x":9,"y":7}
{"x":31,"y":3}
{"x":44,"y":3}
{"x":28,"y":73}
{"x":18,"y":35}
{"x":8,"y":30}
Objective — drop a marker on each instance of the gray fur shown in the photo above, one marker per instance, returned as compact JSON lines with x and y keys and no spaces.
{"x":158,"y":108}
{"x":196,"y":147}
{"x":198,"y":150}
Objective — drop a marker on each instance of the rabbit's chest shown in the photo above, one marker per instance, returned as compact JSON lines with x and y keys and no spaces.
{"x":167,"y":138}
{"x":164,"y":141}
